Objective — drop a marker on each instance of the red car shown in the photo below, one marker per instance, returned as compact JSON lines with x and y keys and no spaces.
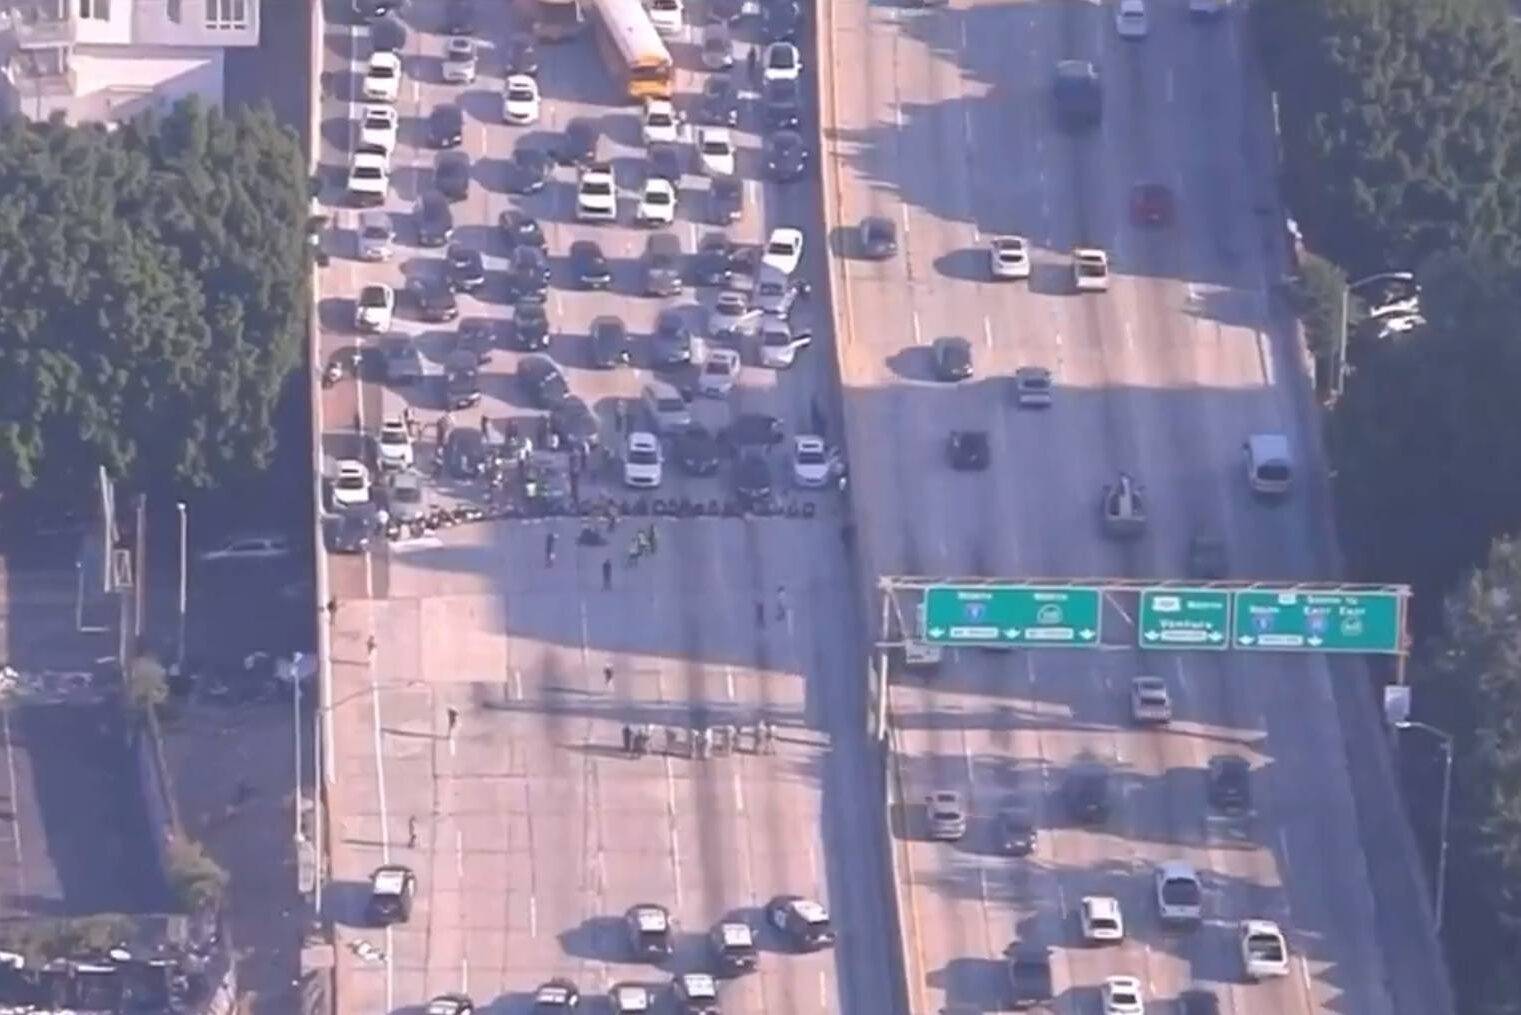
{"x":1151,"y":204}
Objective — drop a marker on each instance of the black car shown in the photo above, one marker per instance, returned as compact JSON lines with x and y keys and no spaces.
{"x":348,"y":532}
{"x":663,"y":162}
{"x":387,"y":35}
{"x":435,"y":220}
{"x":672,"y":341}
{"x":1087,"y":793}
{"x":465,"y":269}
{"x":589,"y":265}
{"x":377,"y":8}
{"x":786,"y":156}
{"x":465,"y":452}
{"x":479,"y":336}
{"x":459,"y":17}
{"x":713,"y":264}
{"x":1030,"y":976}
{"x":649,"y":931}
{"x":752,"y":479}
{"x":519,"y":229}
{"x":1230,"y":784}
{"x":578,"y":146}
{"x":401,"y":361}
{"x":782,"y":104}
{"x":1079,"y":94}
{"x":462,"y":379}
{"x":433,"y":299}
{"x":968,"y":450}
{"x":719,"y":103}
{"x":556,"y":997}
{"x":1014,"y":831}
{"x":781,"y":20}
{"x":804,"y":922}
{"x":451,"y":175}
{"x":725,"y":11}
{"x":662,"y":265}
{"x":528,"y":275}
{"x":527,"y":170}
{"x":530,"y":325}
{"x":953,"y":359}
{"x":878,"y":237}
{"x":392,"y":889}
{"x":726,"y":200}
{"x":609,"y":343}
{"x":543,"y":382}
{"x":752,"y":430}
{"x":446,"y":126}
{"x":576,"y":424}
{"x":520,"y":56}
{"x":732,"y":943}
{"x":697,"y":451}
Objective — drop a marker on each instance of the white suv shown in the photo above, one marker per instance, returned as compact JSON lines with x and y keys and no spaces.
{"x":395,"y":446}
{"x":1180,"y":898}
{"x":370,"y":177}
{"x":597,"y":194}
{"x":643,"y":461}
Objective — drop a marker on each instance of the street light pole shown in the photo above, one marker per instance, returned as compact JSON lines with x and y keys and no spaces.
{"x":184,"y":578}
{"x":1441,"y":872}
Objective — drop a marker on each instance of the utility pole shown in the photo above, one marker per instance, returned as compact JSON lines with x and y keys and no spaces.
{"x":1441,"y":871}
{"x":184,"y":578}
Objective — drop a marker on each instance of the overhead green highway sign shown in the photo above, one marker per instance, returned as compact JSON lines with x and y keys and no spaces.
{"x":1331,"y":621}
{"x":1185,"y":618}
{"x":1030,"y":616}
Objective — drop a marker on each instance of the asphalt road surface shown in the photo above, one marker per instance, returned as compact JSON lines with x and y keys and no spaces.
{"x":534,"y":832}
{"x":943,"y":122}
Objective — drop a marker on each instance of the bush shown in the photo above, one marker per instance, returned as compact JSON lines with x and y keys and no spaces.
{"x":147,"y":683}
{"x":199,"y":882}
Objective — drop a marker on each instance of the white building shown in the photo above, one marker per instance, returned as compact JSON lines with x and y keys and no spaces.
{"x":108,"y":60}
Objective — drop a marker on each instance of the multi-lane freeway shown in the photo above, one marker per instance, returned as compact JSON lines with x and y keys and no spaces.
{"x":476,"y":733}
{"x":943,"y":122}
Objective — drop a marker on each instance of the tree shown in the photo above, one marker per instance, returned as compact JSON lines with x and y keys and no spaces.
{"x":153,"y":296}
{"x":199,"y":883}
{"x":147,"y":683}
{"x":1319,"y":304}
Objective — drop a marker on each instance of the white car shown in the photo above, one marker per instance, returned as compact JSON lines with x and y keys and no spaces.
{"x":351,"y":485}
{"x":375,"y":308}
{"x":1130,"y":19}
{"x":1149,"y":700}
{"x":460,"y":60}
{"x":395,"y":446}
{"x":1009,"y":258}
{"x":378,"y":126}
{"x":667,"y":16}
{"x":784,"y":249}
{"x":715,"y":150}
{"x":1180,"y":897}
{"x":778,"y":344}
{"x":731,"y":314}
{"x":1101,"y":920}
{"x":719,"y":373}
{"x":1122,"y":996}
{"x":657,"y":203}
{"x":1206,"y":8}
{"x":597,"y":194}
{"x":520,"y":100}
{"x":811,"y":466}
{"x":382,"y":78}
{"x":781,"y":62}
{"x":250,"y":548}
{"x":1090,"y":270}
{"x":643,"y":461}
{"x":369,"y":177}
{"x":1264,"y":951}
{"x":662,"y":125}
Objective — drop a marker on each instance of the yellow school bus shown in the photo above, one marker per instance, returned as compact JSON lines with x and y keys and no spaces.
{"x":635,"y":54}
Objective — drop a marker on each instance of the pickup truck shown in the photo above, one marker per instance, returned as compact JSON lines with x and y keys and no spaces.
{"x":1030,"y":973}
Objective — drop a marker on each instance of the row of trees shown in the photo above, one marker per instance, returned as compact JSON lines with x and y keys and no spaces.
{"x":153,"y":297}
{"x":1401,"y":129}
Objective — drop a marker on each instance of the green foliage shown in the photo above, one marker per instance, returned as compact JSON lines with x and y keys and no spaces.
{"x":42,"y":940}
{"x":147,"y":683}
{"x":1318,"y":299}
{"x":153,"y":291}
{"x":1401,"y":124}
{"x":198,"y":882}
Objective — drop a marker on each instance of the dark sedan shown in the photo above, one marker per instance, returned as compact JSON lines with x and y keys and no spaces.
{"x":968,"y":450}
{"x":521,"y":56}
{"x":672,"y":341}
{"x":465,"y":452}
{"x":589,"y":265}
{"x":433,"y":299}
{"x":519,"y":229}
{"x":953,"y":359}
{"x":726,"y":200}
{"x":530,"y":326}
{"x":542,"y":381}
{"x":451,"y":175}
{"x":446,"y":126}
{"x":435,"y":222}
{"x":713,"y":264}
{"x":459,"y":17}
{"x":527,"y":170}
{"x":782,"y":104}
{"x":781,"y":20}
{"x":697,"y":451}
{"x":786,"y":156}
{"x":528,"y":275}
{"x":478,"y":335}
{"x":465,"y":269}
{"x":879,"y":238}
{"x":719,"y":104}
{"x":610,"y":344}
{"x":576,"y":424}
{"x":752,"y":479}
{"x":578,"y":146}
{"x":753,"y":430}
{"x":663,"y":162}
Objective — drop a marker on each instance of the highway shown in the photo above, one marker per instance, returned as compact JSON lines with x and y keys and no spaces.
{"x":941,"y":119}
{"x":534,"y":831}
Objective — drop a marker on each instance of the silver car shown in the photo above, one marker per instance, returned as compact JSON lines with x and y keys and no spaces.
{"x":717,"y":48}
{"x":719,"y":373}
{"x":460,"y":60}
{"x":376,"y":235}
{"x":946,"y":814}
{"x":668,"y":411}
{"x":407,"y":497}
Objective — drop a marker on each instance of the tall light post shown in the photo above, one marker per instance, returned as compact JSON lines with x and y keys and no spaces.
{"x":184,"y":577}
{"x":1441,"y":872}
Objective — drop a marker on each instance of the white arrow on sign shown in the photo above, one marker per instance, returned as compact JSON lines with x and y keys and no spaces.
{"x":1085,"y":634}
{"x":1313,"y":641}
{"x":1011,"y":632}
{"x":1150,"y":635}
{"x":1246,"y":639}
{"x":936,"y":632}
{"x":1216,"y":636}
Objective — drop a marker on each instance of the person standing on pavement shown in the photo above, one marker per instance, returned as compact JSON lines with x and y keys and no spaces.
{"x":607,"y":575}
{"x":607,"y":674}
{"x":549,"y":548}
{"x":781,"y":602}
{"x":411,"y":833}
{"x":650,"y":540}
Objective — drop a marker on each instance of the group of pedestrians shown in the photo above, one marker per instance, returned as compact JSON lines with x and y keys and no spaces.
{"x":700,"y":741}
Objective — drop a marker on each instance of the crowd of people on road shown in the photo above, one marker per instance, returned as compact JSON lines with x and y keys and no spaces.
{"x":700,"y":741}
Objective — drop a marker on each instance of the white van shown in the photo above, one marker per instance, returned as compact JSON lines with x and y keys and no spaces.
{"x":1269,"y":466}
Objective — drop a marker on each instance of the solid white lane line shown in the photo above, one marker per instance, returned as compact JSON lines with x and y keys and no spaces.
{"x":739,"y":793}
{"x":533,"y":915}
{"x":918,"y":337}
{"x":906,"y":229}
{"x":517,"y":685}
{"x":987,"y":332}
{"x":670,"y":813}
